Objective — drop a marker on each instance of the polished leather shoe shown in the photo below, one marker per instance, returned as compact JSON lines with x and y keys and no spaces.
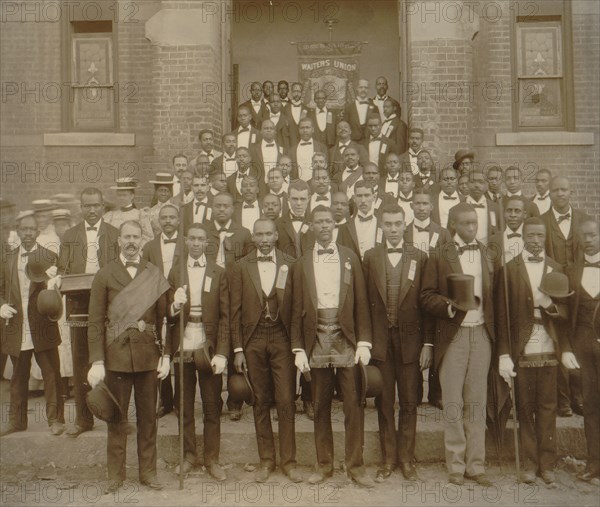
{"x":76,"y":430}
{"x":527,"y":477}
{"x":409,"y":471}
{"x":318,"y":477}
{"x":294,"y":475}
{"x":11,"y":429}
{"x":481,"y":479}
{"x":548,"y":476}
{"x":309,"y":410}
{"x":363,"y":480}
{"x":235,"y":415}
{"x":187,"y":467}
{"x":262,"y":474}
{"x":588,"y":474}
{"x":153,"y":484}
{"x":57,"y":428}
{"x":112,"y":487}
{"x":217,"y":472}
{"x":577,"y":408}
{"x":384,"y":473}
{"x":564,"y":412}
{"x":457,"y":479}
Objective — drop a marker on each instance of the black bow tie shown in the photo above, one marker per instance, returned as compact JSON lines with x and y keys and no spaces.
{"x":422,"y":229}
{"x":588,"y":264}
{"x":325,"y":251}
{"x":209,"y":154}
{"x":471,"y":246}
{"x":405,"y":199}
{"x":198,"y":265}
{"x":494,"y":197}
{"x":270,"y":145}
{"x":91,"y":228}
{"x":514,"y":235}
{"x":363,"y":101}
{"x":322,"y":198}
{"x":376,"y":139}
{"x":294,"y":218}
{"x":167,"y":241}
{"x":198,"y":204}
{"x":368,"y":218}
{"x":566,"y":216}
{"x":305,"y":143}
{"x":299,"y":104}
{"x":264,"y":258}
{"x":394,"y":250}
{"x":245,"y":129}
{"x":350,"y":170}
{"x":449,"y":198}
{"x":127,"y":208}
{"x":392,"y":181}
{"x":344,"y":145}
{"x":241,"y":175}
{"x":478,"y":205}
{"x":535,"y":258}
{"x":542,"y":198}
{"x":131,"y":264}
{"x":321,"y":111}
{"x":232,"y":159}
{"x":26,"y":254}
{"x":246,"y":206}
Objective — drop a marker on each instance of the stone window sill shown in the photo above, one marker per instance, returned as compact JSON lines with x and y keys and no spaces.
{"x":553,"y":138}
{"x":89,"y":139}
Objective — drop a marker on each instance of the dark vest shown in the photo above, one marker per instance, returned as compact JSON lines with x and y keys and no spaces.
{"x":270,"y":311}
{"x":587,"y":305}
{"x":392,"y":276}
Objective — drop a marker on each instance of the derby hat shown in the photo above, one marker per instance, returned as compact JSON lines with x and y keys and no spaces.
{"x":371,"y":381}
{"x":49,"y":304}
{"x":555,"y":285}
{"x":163,"y":179}
{"x":460,"y":155}
{"x":203,"y":356}
{"x":461,"y":291}
{"x":103,"y":404}
{"x":240,"y":388}
{"x":35,"y":270}
{"x":125,"y":184}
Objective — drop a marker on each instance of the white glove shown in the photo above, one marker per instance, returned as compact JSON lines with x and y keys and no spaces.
{"x":363,"y":354}
{"x":180,"y":297}
{"x":96,"y":375}
{"x":301,"y":361}
{"x":218,"y":364}
{"x":569,"y":361}
{"x":544,"y":301}
{"x":7,"y":311}
{"x":55,"y":283}
{"x":52,"y":271}
{"x":506,"y":368}
{"x":163,"y":368}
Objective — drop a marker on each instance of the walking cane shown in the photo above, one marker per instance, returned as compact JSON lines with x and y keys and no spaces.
{"x":182,"y":267}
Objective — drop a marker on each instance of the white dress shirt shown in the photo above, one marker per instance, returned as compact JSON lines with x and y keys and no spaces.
{"x":391,"y":185}
{"x":222,"y":236}
{"x":421,"y":238}
{"x":470,"y":262}
{"x":394,"y":258}
{"x":542,"y":202}
{"x":267,"y":271}
{"x":386,"y":127}
{"x":327,"y":277}
{"x":564,"y":225}
{"x":132,"y":270}
{"x":513,"y":247}
{"x":256,"y":105}
{"x":362,"y":111}
{"x":314,"y":203}
{"x":378,"y":101}
{"x":375,"y":146}
{"x":590,"y":280}
{"x":199,"y":210}
{"x":243,"y":137}
{"x":275,"y":118}
{"x":229,"y":164}
{"x":444,"y":206}
{"x":176,"y":185}
{"x":168,"y":253}
{"x":269,"y":154}
{"x":194,"y":335}
{"x":321,"y":115}
{"x":366,"y":232}
{"x":304,"y":153}
{"x":250,"y":215}
{"x":482,"y":218}
{"x":24,"y":284}
{"x":296,"y":110}
{"x":412,"y":156}
{"x":404,"y":202}
{"x":91,"y":261}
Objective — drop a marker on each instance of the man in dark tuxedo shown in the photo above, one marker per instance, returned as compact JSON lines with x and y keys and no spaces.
{"x":227,"y":162}
{"x":357,"y":112}
{"x":302,"y":153}
{"x":324,"y":120}
{"x":423,"y":233}
{"x":266,"y":154}
{"x":281,"y":124}
{"x":426,"y":177}
{"x":180,"y":164}
{"x":184,"y":182}
{"x":268,"y":89}
{"x":128,"y":302}
{"x":248,"y":211}
{"x":271,"y":207}
{"x":416,"y":137}
{"x":321,"y":189}
{"x":86,"y":247}
{"x":381,"y":85}
{"x":261,"y":309}
{"x":505,"y":245}
{"x":292,"y":227}
{"x":25,"y":332}
{"x":584,"y":279}
{"x":331,"y":333}
{"x":542,"y":186}
{"x":388,"y":184}
{"x":393,"y":275}
{"x":283,"y":87}
{"x":246,"y":167}
{"x":462,"y":344}
{"x":164,"y":251}
{"x":393,"y":127}
{"x":512,"y":180}
{"x":377,"y":145}
{"x":246,"y":134}
{"x":446,"y":197}
{"x":199,"y":210}
{"x":277,"y":187}
{"x":336,"y":153}
{"x":203,"y":296}
{"x":207,"y":149}
{"x":563,"y":244}
{"x":296,"y":110}
{"x":350,"y":173}
{"x":487,"y":211}
{"x":256,"y":106}
{"x":494,"y":177}
{"x":532,"y":350}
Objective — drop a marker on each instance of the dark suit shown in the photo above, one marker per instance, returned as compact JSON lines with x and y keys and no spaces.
{"x":258,"y":161}
{"x":535,"y":386}
{"x":327,"y":136}
{"x":386,"y":147}
{"x":437,"y":236}
{"x":289,"y":242}
{"x":317,"y":148}
{"x":218,"y":164}
{"x":253,"y":137}
{"x":351,"y":116}
{"x":355,"y":323}
{"x":293,"y":124}
{"x":71,"y":261}
{"x":188,"y":213}
{"x":252,"y":171}
{"x":130,"y":362}
{"x":435,"y":201}
{"x":396,"y":347}
{"x":284,"y":132}
{"x":398,"y":133}
{"x":215,"y":320}
{"x":236,"y":246}
{"x":531,"y":209}
{"x":348,"y":236}
{"x":257,"y":118}
{"x":266,"y":347}
{"x":44,"y":335}
{"x":336,"y":158}
{"x":238,"y":210}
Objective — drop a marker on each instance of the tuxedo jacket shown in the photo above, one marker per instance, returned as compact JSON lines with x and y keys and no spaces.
{"x":257,"y":118}
{"x":575,"y":272}
{"x":531,"y":209}
{"x":399,"y":134}
{"x":258,"y":161}
{"x":353,"y":313}
{"x":563,"y":250}
{"x":288,"y":242}
{"x":188,"y":212}
{"x":215,"y":306}
{"x":44,"y":333}
{"x":336,"y":158}
{"x":133,"y":350}
{"x":518,"y":319}
{"x":434,"y":296}
{"x":255,"y":135}
{"x":411,"y":317}
{"x":327,"y":136}
{"x":492,"y":217}
{"x":317,"y":148}
{"x":285,"y":133}
{"x":247,"y":302}
{"x":236,"y":246}
{"x":293,"y":125}
{"x":343,"y":186}
{"x":218,"y":166}
{"x":153,"y":254}
{"x":437,"y":236}
{"x":386,"y":147}
{"x":351,"y":116}
{"x":435,"y":201}
{"x":253,"y":171}
{"x":348,"y":237}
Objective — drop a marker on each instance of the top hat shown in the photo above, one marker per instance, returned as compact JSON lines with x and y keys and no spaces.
{"x":103,"y":404}
{"x":125,"y":184}
{"x":460,"y":155}
{"x":555,"y":285}
{"x":203,"y":356}
{"x":461,"y":291}
{"x":371,"y":381}
{"x":35,"y":270}
{"x":163,"y":179}
{"x":49,"y":304}
{"x":43,"y":205}
{"x":240,"y":388}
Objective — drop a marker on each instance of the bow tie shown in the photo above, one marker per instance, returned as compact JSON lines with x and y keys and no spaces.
{"x":232,"y":159}
{"x":542,"y":198}
{"x":376,"y":139}
{"x":342,"y":145}
{"x":209,"y":154}
{"x":294,"y":218}
{"x":368,"y":218}
{"x":270,"y":145}
{"x":363,"y":101}
{"x":514,"y":235}
{"x":392,"y":181}
{"x":322,"y":198}
{"x":241,"y":175}
{"x":405,"y":199}
{"x":534,"y":258}
{"x":471,"y":246}
{"x":422,"y":229}
{"x":299,"y":104}
{"x":325,"y":251}
{"x":264,"y":258}
{"x":350,"y":170}
{"x":198,"y":204}
{"x":321,"y":111}
{"x":198,"y":265}
{"x":566,"y":216}
{"x":131,"y":264}
{"x":167,"y":241}
{"x":306,"y":143}
{"x":494,"y":197}
{"x":478,"y":205}
{"x":394,"y":250}
{"x":448,"y":198}
{"x":26,"y":254}
{"x":91,"y":228}
{"x":127,"y":208}
{"x":588,"y":264}
{"x":245,"y":129}
{"x":246,"y":206}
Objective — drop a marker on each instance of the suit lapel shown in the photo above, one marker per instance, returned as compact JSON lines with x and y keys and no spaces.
{"x":523,"y":272}
{"x":343,"y":285}
{"x":379,"y":266}
{"x":14,"y":274}
{"x":121,"y":274}
{"x":405,"y":283}
{"x":309,"y":274}
{"x":255,"y":275}
{"x":453,"y":258}
{"x":353,"y":234}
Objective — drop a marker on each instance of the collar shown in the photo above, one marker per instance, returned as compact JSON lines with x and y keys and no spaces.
{"x":342,"y":144}
{"x":22,"y":250}
{"x":424,"y":223}
{"x":361,"y":214}
{"x":264,"y":142}
{"x":330,"y":245}
{"x":592,"y":258}
{"x":557,"y":214}
{"x":164,"y":237}
{"x":377,"y":97}
{"x":351,"y":168}
{"x":191,"y":261}
{"x":414,"y":153}
{"x":249,"y":127}
{"x":296,"y":104}
{"x":253,"y":203}
{"x":518,"y":194}
{"x":271,"y":253}
{"x":508,"y":231}
{"x":539,"y":196}
{"x":407,"y":197}
{"x":482,"y":200}
{"x":280,"y":194}
{"x":388,"y":245}
{"x":341,"y":222}
{"x":226,"y":226}
{"x":86,"y":224}
{"x":453,"y":194}
{"x":124,"y":260}
{"x":259,"y":102}
{"x":526,"y":253}
{"x":390,"y":117}
{"x":203,"y":201}
{"x":357,"y":99}
{"x":460,"y":242}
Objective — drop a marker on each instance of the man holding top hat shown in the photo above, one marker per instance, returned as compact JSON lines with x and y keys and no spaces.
{"x":331,"y":333}
{"x":28,"y":325}
{"x":458,"y":293}
{"x":529,"y":329}
{"x":203,"y":296}
{"x":128,"y":302}
{"x":261,"y":310}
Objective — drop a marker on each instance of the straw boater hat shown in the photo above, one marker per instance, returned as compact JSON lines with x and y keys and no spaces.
{"x":64,"y":199}
{"x":163,"y":179}
{"x":125,"y":184}
{"x":24,"y":213}
{"x":43,"y":205}
{"x":61,"y":214}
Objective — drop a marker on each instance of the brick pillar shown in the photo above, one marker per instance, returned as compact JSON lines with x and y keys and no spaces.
{"x":190,"y":75}
{"x":439,"y":86}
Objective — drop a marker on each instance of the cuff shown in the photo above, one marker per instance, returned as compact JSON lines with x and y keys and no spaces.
{"x":504,"y":356}
{"x":173,"y":310}
{"x":428,"y":345}
{"x":364,"y":344}
{"x":295,"y":351}
{"x":236,"y":350}
{"x":167,"y":356}
{"x":451,"y":311}
{"x":221,"y":355}
{"x":98,"y":362}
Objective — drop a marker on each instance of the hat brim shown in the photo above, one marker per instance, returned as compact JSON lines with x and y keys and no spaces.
{"x":37,"y":278}
{"x":203,"y":357}
{"x":554,"y":294}
{"x":465,"y":308}
{"x":102,"y":388}
{"x":466,"y":155}
{"x":124,"y":188}
{"x":165,"y":183}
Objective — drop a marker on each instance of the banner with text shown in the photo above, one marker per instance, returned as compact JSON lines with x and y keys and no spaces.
{"x":329,"y":66}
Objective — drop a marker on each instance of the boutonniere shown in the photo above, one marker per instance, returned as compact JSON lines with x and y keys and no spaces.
{"x":348,"y":266}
